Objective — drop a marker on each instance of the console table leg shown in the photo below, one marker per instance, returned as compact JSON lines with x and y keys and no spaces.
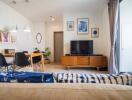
{"x":97,"y":68}
{"x":67,"y":67}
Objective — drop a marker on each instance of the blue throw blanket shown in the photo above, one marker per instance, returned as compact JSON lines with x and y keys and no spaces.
{"x":26,"y":77}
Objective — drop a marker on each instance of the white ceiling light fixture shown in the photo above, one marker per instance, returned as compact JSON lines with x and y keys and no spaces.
{"x":14,"y":29}
{"x":52,"y":18}
{"x":27,"y":29}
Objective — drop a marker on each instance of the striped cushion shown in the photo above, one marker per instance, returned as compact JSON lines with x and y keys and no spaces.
{"x":123,"y":79}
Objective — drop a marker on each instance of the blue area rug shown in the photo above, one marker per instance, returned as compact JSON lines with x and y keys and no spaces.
{"x":26,"y":77}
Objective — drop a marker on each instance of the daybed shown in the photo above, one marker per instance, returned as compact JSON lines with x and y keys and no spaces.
{"x":64,"y":86}
{"x":64,"y":91}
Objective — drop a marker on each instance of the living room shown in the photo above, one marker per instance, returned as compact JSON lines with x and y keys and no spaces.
{"x":76,"y":41}
{"x":97,"y":18}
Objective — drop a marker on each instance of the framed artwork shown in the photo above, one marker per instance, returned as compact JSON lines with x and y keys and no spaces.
{"x":70,"y":25}
{"x":94,"y":32}
{"x":5,"y":37}
{"x":82,"y":26}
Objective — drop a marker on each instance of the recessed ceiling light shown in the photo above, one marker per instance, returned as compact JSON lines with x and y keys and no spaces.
{"x":27,"y":1}
{"x":52,"y":18}
{"x":14,"y":2}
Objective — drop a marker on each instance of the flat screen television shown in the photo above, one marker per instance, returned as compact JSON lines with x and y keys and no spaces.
{"x":81,"y":47}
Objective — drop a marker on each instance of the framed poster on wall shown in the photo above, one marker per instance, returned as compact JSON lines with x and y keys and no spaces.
{"x":82,"y":26}
{"x":5,"y":37}
{"x":70,"y":25}
{"x":94,"y":32}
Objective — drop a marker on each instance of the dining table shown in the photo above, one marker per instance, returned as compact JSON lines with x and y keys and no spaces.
{"x":31,"y":56}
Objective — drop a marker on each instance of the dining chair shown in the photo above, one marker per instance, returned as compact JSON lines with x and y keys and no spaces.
{"x":37,"y":61}
{"x":21,"y":60}
{"x":3,"y":63}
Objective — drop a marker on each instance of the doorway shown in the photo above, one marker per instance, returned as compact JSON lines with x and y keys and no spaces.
{"x":58,"y":46}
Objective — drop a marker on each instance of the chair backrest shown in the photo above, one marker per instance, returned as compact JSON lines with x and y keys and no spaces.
{"x":2,"y":60}
{"x":36,"y":59}
{"x":21,"y":59}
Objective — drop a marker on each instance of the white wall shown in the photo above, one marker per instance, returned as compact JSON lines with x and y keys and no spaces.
{"x":106,"y":33}
{"x":96,"y":19}
{"x":126,"y":36}
{"x":10,"y":18}
{"x":52,"y":27}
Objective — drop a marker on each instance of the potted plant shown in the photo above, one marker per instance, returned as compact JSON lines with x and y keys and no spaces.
{"x":47,"y":54}
{"x":36,"y":50}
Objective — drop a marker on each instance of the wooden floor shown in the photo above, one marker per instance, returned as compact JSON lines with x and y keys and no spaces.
{"x":60,"y":68}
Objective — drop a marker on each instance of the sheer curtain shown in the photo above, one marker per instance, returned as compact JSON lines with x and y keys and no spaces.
{"x":113,"y":7}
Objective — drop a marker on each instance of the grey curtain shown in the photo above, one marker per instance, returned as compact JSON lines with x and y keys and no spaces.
{"x":113,"y":8}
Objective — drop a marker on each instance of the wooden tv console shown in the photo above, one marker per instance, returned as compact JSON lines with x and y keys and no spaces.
{"x":97,"y":61}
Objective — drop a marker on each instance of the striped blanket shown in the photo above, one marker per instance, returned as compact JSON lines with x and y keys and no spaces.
{"x":123,"y":79}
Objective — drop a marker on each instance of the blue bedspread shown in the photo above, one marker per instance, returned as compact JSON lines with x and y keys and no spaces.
{"x":26,"y":77}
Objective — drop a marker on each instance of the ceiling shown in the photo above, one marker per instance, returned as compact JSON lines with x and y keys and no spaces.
{"x":41,"y":10}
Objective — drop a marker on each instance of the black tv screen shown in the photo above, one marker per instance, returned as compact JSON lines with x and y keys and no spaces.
{"x":82,"y":47}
